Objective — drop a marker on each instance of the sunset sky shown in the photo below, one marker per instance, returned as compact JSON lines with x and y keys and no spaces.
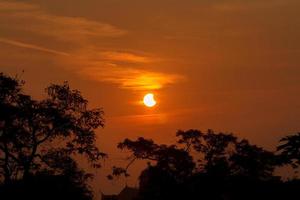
{"x":228,"y":65}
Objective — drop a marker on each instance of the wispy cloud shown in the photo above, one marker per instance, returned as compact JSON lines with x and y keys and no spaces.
{"x":32,"y":46}
{"x":242,"y":6}
{"x":90,"y":53}
{"x":16,"y":6}
{"x":127,"y":69}
{"x":131,"y":78}
{"x":125,"y":57}
{"x":29,"y":17}
{"x":142,"y":120}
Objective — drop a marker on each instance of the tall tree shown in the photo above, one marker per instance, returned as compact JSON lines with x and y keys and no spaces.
{"x":39,"y":135}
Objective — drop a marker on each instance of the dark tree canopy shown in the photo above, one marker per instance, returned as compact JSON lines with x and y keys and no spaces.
{"x":197,"y":152}
{"x":199,"y":161}
{"x":224,"y":154}
{"x":290,"y":150}
{"x":169,"y":158}
{"x":44,"y":135}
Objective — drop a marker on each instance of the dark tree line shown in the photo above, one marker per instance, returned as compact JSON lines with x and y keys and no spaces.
{"x":39,"y":139}
{"x":212,"y":166}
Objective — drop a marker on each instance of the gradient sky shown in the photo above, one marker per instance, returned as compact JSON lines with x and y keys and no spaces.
{"x":229,"y":65}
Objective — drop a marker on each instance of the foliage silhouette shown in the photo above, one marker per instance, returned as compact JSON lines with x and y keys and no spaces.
{"x":197,"y":152}
{"x":206,"y":165}
{"x":171,"y":159}
{"x":70,"y":185}
{"x":43,"y":136}
{"x":290,"y":150}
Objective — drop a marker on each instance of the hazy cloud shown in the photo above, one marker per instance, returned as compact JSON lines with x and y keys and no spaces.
{"x":28,"y":26}
{"x":126,"y":69}
{"x":28,"y":17}
{"x":16,"y":6}
{"x":32,"y":46}
{"x":131,"y":78}
{"x":125,"y":57}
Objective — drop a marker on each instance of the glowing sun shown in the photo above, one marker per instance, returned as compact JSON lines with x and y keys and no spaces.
{"x":149,"y":100}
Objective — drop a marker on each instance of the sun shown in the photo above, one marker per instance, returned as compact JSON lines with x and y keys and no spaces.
{"x":149,"y":100}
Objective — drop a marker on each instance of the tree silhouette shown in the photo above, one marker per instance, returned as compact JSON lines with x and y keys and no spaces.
{"x":168,"y":166}
{"x":224,"y":154}
{"x":200,"y":161}
{"x":216,"y":153}
{"x":156,"y":183}
{"x":252,"y":161}
{"x":43,"y":135}
{"x":290,"y":150}
{"x":71,"y":185}
{"x":177,"y":162}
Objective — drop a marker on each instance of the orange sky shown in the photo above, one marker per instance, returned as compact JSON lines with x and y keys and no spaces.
{"x":227,"y":65}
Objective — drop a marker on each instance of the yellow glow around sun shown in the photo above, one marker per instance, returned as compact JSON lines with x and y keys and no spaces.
{"x":149,"y":100}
